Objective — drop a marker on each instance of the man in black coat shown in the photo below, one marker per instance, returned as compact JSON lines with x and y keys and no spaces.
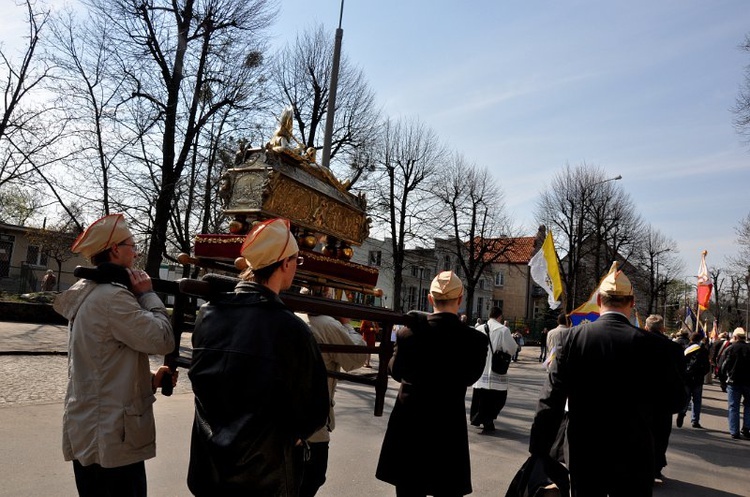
{"x":426,"y":445}
{"x":259,"y":379}
{"x":734,"y":372}
{"x":615,"y":380}
{"x":696,"y":368}
{"x":661,"y":426}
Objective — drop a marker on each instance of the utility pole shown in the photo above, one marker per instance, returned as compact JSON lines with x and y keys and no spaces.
{"x":326,"y":160}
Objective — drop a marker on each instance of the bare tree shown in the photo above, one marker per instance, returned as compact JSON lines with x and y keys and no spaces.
{"x":656,"y":255}
{"x":742,"y":103}
{"x":593,"y":222}
{"x":301,"y":75}
{"x":407,"y":160}
{"x":482,"y":231}
{"x":21,"y":136}
{"x":718,"y":279}
{"x":737,"y":297}
{"x":18,"y":205}
{"x":86,"y":89}
{"x":54,"y":243}
{"x":741,"y":262}
{"x":179,"y":63}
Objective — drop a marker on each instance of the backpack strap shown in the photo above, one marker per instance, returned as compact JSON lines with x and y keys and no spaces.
{"x":487,"y":330}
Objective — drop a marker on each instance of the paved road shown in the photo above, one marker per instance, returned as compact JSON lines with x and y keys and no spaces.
{"x":702,"y":463}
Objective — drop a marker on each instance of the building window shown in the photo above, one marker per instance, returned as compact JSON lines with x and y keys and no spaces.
{"x":481,"y":284}
{"x":447,"y":263}
{"x":423,"y":299}
{"x":373,"y":259}
{"x":499,"y":278}
{"x":417,"y":271}
{"x":411,"y":297}
{"x":480,"y":306}
{"x":35,"y":257}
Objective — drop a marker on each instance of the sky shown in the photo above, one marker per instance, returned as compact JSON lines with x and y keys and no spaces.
{"x":642,"y":89}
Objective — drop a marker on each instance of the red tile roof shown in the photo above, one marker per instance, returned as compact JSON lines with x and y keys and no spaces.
{"x":517,"y":250}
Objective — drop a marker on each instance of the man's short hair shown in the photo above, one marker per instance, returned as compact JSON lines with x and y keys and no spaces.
{"x":562,"y":319}
{"x":495,"y":313}
{"x":263,"y":274}
{"x":696,"y":337}
{"x":655,"y":323}
{"x":616,"y":300}
{"x":101,"y":257}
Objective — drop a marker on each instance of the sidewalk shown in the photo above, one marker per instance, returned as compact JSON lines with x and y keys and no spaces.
{"x":30,"y":338}
{"x":702,"y":463}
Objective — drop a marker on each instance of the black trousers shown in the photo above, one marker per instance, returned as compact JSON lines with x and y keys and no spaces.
{"x":123,"y":481}
{"x":661,"y":428}
{"x":486,"y":404}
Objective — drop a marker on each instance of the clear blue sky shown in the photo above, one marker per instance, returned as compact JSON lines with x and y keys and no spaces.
{"x":641,"y":88}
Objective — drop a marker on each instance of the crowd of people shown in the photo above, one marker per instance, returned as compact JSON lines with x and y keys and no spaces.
{"x":264,"y":408}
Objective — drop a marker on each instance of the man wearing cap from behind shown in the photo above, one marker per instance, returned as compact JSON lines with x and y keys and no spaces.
{"x":735,"y":374}
{"x":436,"y":358}
{"x":615,"y":379}
{"x":116,"y":321}
{"x":259,"y":380}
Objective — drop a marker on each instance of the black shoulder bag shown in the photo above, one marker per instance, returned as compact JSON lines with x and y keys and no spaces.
{"x":500,"y":359}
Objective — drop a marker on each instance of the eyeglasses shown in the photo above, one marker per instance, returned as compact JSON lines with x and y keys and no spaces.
{"x":133,"y":246}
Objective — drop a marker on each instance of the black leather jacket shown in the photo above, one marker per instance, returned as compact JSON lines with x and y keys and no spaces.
{"x":735,"y":367}
{"x":260,"y":386}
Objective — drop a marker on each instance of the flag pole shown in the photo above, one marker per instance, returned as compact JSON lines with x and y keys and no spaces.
{"x":698,"y":319}
{"x":700,"y":279}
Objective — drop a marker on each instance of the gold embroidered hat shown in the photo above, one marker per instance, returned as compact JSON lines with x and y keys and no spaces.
{"x":268,"y":242}
{"x":616,"y":283}
{"x":739,"y":332}
{"x":446,"y":286}
{"x":101,"y":235}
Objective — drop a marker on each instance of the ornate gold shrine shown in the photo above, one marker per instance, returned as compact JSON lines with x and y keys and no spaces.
{"x":283,"y":180}
{"x":272,"y":184}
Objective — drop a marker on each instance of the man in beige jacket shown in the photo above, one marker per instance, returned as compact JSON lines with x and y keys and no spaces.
{"x":115,"y":322}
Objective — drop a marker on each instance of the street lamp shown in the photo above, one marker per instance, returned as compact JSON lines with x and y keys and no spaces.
{"x":616,"y":178}
{"x":585,"y":190}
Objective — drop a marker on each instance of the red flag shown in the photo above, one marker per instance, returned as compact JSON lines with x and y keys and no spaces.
{"x":704,"y":295}
{"x":704,"y":287}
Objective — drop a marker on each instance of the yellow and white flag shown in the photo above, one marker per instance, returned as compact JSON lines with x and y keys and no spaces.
{"x":546,"y":272}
